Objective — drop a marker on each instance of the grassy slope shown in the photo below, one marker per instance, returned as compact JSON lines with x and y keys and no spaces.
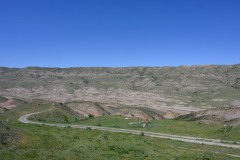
{"x":179,"y":127}
{"x":44,"y":142}
{"x":59,"y":114}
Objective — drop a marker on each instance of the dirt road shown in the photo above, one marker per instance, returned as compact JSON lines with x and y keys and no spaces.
{"x":215,"y":142}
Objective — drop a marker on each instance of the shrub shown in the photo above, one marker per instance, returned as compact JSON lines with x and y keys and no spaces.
{"x":88,"y":128}
{"x":66,"y":119}
{"x":225,"y":129}
{"x":90,"y":116}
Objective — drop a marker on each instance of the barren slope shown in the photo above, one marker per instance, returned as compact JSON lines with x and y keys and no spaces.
{"x":169,"y":90}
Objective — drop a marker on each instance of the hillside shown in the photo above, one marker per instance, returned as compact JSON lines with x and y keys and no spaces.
{"x":176,"y":90}
{"x":175,"y":101}
{"x":9,"y":103}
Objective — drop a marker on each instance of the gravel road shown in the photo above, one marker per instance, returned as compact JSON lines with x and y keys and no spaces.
{"x":198,"y":140}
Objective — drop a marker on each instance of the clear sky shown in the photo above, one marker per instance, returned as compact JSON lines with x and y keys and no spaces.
{"x":119,"y":33}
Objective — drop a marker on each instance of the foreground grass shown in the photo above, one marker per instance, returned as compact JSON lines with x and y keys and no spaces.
{"x":45,"y":142}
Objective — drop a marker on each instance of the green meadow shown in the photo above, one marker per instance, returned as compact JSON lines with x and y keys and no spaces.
{"x":45,"y":142}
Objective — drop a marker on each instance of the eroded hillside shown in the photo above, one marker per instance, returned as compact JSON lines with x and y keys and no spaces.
{"x":170,"y":90}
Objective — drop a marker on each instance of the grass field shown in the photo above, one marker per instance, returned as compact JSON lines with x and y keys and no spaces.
{"x":179,"y":127}
{"x":44,"y":142}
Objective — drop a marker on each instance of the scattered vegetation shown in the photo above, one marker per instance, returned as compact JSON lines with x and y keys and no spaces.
{"x":7,"y":135}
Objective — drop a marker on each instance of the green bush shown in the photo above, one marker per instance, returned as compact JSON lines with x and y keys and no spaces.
{"x":225,"y":129}
{"x":90,"y":116}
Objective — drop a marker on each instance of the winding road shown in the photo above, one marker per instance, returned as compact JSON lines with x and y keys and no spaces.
{"x":215,"y":142}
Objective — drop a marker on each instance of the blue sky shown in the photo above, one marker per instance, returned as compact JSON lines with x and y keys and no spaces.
{"x":119,"y":33}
